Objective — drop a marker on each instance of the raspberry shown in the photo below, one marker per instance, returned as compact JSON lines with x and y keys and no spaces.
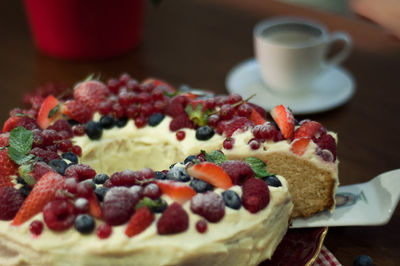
{"x":177,"y":105}
{"x":104,"y":231}
{"x":236,"y":123}
{"x":39,"y":169}
{"x":77,"y":150}
{"x":62,"y":125}
{"x":10,"y":202}
{"x":80,"y":172}
{"x":238,"y":171}
{"x":255,"y":196}
{"x":119,"y":205}
{"x":180,"y":121}
{"x":327,"y":142}
{"x":78,"y":111}
{"x":91,"y":93}
{"x":152,"y":191}
{"x":209,"y":205}
{"x":49,"y":137}
{"x":173,"y":220}
{"x":59,"y":215}
{"x":27,"y":122}
{"x":124,"y":178}
{"x":46,"y":155}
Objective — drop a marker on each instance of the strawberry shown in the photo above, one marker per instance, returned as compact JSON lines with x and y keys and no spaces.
{"x":49,"y":111}
{"x":7,"y":168}
{"x":91,"y":93}
{"x":78,"y":111}
{"x":256,"y":118}
{"x":11,"y":123}
{"x":299,"y":145}
{"x":307,"y":129}
{"x":211,"y":173}
{"x":4,"y":139}
{"x":284,"y":119}
{"x":43,"y":192}
{"x":236,"y":123}
{"x":142,"y":219}
{"x":177,"y":191}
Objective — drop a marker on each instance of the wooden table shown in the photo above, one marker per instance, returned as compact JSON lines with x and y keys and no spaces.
{"x":197,"y":42}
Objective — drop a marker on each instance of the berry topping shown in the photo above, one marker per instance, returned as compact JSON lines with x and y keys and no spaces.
{"x":10,"y":202}
{"x":80,"y":172}
{"x":239,"y":171}
{"x":84,"y":223}
{"x":307,"y":129}
{"x":77,"y":111}
{"x":155,"y":119}
{"x":59,"y":215}
{"x":91,"y":93}
{"x":180,"y":135}
{"x":200,"y":186}
{"x":326,"y":141}
{"x":256,"y":118}
{"x":142,"y":219}
{"x":160,"y":175}
{"x":173,"y":220}
{"x":189,"y":159}
{"x":104,"y":231}
{"x":121,"y":122}
{"x":255,"y":195}
{"x":93,"y":130}
{"x":46,"y":155}
{"x":231,"y":199}
{"x":119,"y":205}
{"x":70,"y":157}
{"x":284,"y":119}
{"x":211,"y":173}
{"x":48,"y":112}
{"x":177,"y":191}
{"x":201,"y":226}
{"x":178,"y":173}
{"x":236,"y":123}
{"x":43,"y":192}
{"x":7,"y":168}
{"x":180,"y":121}
{"x":272,"y":181}
{"x":107,"y":122}
{"x":100,"y":178}
{"x":36,"y":228}
{"x":100,"y":192}
{"x":177,"y":105}
{"x":209,"y":205}
{"x":152,"y":191}
{"x":58,"y":165}
{"x":299,"y":146}
{"x":204,"y":133}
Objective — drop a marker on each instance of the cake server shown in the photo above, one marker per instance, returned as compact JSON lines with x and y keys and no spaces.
{"x":366,"y":204}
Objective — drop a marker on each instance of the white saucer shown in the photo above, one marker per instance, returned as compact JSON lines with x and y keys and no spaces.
{"x":331,"y":89}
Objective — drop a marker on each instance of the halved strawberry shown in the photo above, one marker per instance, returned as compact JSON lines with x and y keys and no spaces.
{"x":299,"y":146}
{"x":284,"y":119}
{"x":11,"y":123}
{"x":94,"y":206}
{"x":43,"y":192}
{"x":91,"y":93}
{"x":177,"y":191}
{"x":211,"y":173}
{"x":256,"y":118}
{"x":7,"y":168}
{"x":142,"y":219}
{"x":307,"y":129}
{"x":49,"y":111}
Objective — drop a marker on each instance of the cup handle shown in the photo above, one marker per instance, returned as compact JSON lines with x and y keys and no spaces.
{"x":344,"y":52}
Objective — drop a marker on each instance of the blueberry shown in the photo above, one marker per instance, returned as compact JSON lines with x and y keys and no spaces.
{"x":107,"y":122}
{"x":204,"y":133}
{"x":160,"y":175}
{"x":155,"y":119}
{"x":232,"y":199}
{"x":272,"y":181}
{"x":93,"y":130}
{"x":200,"y":186}
{"x":25,"y":190}
{"x":172,"y":165}
{"x":100,"y":178}
{"x":100,"y":192}
{"x":178,"y":174}
{"x":363,"y":260}
{"x":90,"y":182}
{"x":159,"y":206}
{"x":20,"y":180}
{"x":84,"y":223}
{"x":121,"y":122}
{"x":73,"y":122}
{"x":189,"y":159}
{"x":58,"y":165}
{"x":70,"y":156}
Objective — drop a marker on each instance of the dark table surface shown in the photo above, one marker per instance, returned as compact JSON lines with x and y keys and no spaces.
{"x":197,"y":42}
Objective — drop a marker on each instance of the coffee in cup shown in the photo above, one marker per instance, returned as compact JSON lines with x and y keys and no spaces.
{"x":292,"y":52}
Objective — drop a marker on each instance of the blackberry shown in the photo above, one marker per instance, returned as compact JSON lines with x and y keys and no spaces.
{"x":107,"y":122}
{"x":155,"y":119}
{"x":100,"y":192}
{"x":178,"y":174}
{"x":200,"y":186}
{"x":100,"y":178}
{"x":159,"y":175}
{"x":189,"y":159}
{"x":363,"y":260}
{"x":204,"y":133}
{"x":232,"y":199}
{"x":272,"y":181}
{"x":93,"y":130}
{"x":121,"y":122}
{"x":70,"y":156}
{"x":84,"y":223}
{"x":58,"y":165}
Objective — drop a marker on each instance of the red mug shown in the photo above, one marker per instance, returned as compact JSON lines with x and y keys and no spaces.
{"x":85,"y":29}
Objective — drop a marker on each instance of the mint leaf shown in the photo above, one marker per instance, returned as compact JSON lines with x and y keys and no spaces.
{"x":258,"y":166}
{"x":197,"y":115}
{"x":24,"y":172}
{"x":216,"y":157}
{"x":20,"y":141}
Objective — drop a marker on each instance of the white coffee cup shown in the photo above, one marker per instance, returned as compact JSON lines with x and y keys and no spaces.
{"x":292,"y":52}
